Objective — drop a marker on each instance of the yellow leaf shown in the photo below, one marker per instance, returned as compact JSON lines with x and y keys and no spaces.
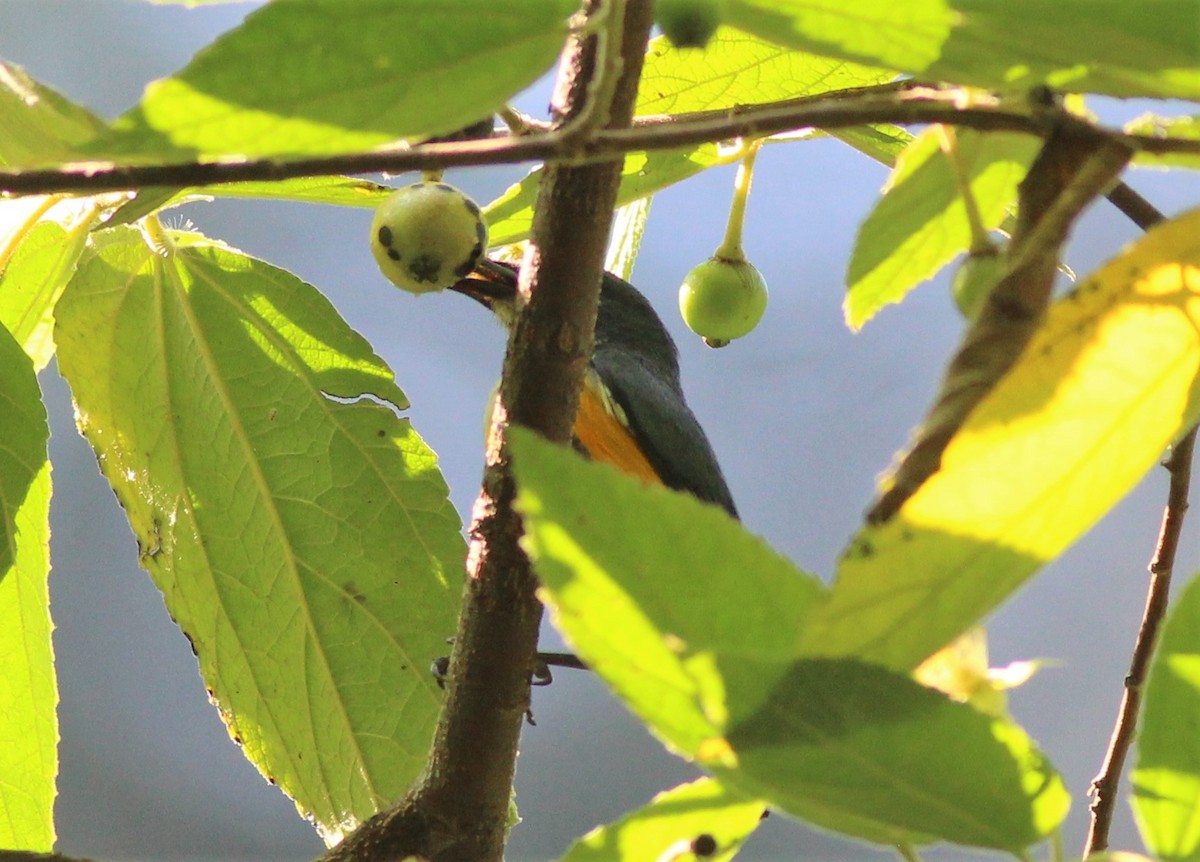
{"x":1105,"y":385}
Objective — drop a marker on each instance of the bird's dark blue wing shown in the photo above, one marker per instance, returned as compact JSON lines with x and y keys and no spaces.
{"x":665,"y":428}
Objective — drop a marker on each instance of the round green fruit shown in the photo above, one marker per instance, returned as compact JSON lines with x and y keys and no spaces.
{"x":427,"y":236}
{"x":721,"y":300}
{"x":974,"y":280}
{"x":688,"y":23}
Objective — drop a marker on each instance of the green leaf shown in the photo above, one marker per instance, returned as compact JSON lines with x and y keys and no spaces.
{"x":318,"y":77}
{"x":671,"y":546}
{"x":907,"y":37}
{"x":920,"y":224}
{"x":1166,"y":779}
{"x":1109,"y":47}
{"x":1181,"y":128}
{"x":28,"y":691}
{"x":883,"y":143}
{"x":144,"y":202}
{"x":34,"y":278}
{"x":332,"y":191}
{"x":23,"y":445}
{"x":629,"y":223}
{"x":40,"y":126}
{"x":510,"y":216}
{"x":1108,"y":381}
{"x":734,"y":69}
{"x":667,"y":827}
{"x":298,"y":528}
{"x":856,"y":738}
{"x":739,"y":69}
{"x":695,"y":623}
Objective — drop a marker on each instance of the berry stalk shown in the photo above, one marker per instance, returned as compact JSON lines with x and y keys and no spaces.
{"x":731,"y":247}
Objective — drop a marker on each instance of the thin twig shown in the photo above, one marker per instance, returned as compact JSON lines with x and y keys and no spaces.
{"x":660,"y":132}
{"x":1105,"y":784}
{"x":1179,"y":466}
{"x":563,"y":659}
{"x":907,"y":105}
{"x":1139,"y":210}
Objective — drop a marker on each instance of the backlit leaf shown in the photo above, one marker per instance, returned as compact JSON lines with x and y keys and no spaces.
{"x":510,"y":216}
{"x":332,"y":191}
{"x":324,"y":76}
{"x":28,"y":691}
{"x":298,"y":528}
{"x":1184,"y":128}
{"x":694,"y":623}
{"x":1109,"y":47}
{"x":629,"y":223}
{"x":662,"y":650}
{"x":1104,"y":386}
{"x":920,"y":223}
{"x":34,"y":278}
{"x":736,"y":68}
{"x":667,"y":827}
{"x":40,"y":126}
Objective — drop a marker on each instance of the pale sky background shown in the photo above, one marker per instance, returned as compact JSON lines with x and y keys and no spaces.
{"x":803,"y":415}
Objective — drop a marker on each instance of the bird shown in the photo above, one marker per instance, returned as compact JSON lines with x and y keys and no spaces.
{"x":632,"y":412}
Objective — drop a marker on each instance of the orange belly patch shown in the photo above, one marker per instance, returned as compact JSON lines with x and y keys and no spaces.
{"x":607,"y":439}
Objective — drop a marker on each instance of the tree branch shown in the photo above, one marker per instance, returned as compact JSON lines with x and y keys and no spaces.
{"x":1074,"y":166}
{"x":907,"y":104}
{"x":1162,"y":565}
{"x":1139,"y":210}
{"x":459,"y":811}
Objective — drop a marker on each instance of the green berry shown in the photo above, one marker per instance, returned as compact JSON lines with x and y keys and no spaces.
{"x":974,"y":280}
{"x":721,"y":300}
{"x":688,"y":23}
{"x":427,"y":236}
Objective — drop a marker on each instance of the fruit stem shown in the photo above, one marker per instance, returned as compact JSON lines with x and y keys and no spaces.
{"x":518,"y":123}
{"x":981,"y":242}
{"x":731,"y":247}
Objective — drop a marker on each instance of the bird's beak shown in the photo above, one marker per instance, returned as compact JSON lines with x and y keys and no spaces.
{"x":491,"y":284}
